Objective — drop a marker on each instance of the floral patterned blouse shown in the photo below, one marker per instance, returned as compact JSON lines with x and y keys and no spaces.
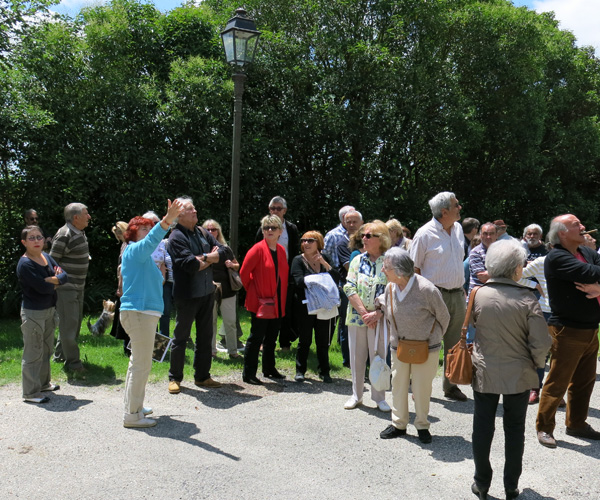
{"x":366,"y":279}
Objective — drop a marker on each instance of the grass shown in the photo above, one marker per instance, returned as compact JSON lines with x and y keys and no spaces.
{"x":106,"y":365}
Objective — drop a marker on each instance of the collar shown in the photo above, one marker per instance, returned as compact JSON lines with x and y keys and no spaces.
{"x":74,"y":229}
{"x":505,"y":281}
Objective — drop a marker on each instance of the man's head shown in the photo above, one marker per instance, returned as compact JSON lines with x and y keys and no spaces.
{"x":489,"y":234}
{"x":343,"y":211}
{"x":189,"y":217}
{"x":470,"y":227}
{"x":352,"y":221}
{"x":590,"y":241}
{"x":500,"y":226}
{"x":77,"y":214}
{"x":445,"y":208}
{"x":31,"y":217}
{"x":278,"y":207}
{"x":532,"y":234}
{"x":566,"y":230}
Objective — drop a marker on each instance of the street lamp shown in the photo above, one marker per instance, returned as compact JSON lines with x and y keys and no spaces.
{"x":240,"y":39}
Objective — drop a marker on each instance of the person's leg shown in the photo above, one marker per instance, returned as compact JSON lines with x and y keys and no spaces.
{"x":215,"y":316}
{"x":306,"y":322}
{"x":269,"y":342}
{"x":228,"y":313}
{"x":69,"y":305}
{"x":140,"y":327}
{"x":204,"y":335}
{"x":455,"y":302}
{"x":583,"y":380}
{"x":258,"y":328}
{"x":49,"y":324}
{"x":565,"y":354}
{"x":32,"y":329}
{"x":400,"y":383}
{"x":186,"y":312}
{"x":343,"y":329}
{"x":515,"y":412}
{"x":484,"y":416}
{"x":359,"y":351}
{"x":422,"y":382}
{"x":376,"y":396}
{"x":323,"y":329}
{"x":165,"y":319}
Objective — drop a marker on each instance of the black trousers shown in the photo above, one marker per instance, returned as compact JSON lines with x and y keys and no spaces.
{"x":513,"y":419}
{"x":262,"y":331}
{"x":322,"y":329}
{"x":199,"y":310}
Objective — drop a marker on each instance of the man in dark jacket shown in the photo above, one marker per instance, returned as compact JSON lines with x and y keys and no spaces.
{"x":191,"y":250}
{"x":573,"y":326}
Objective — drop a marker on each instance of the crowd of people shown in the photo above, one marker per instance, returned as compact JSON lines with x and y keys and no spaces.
{"x":531,"y":301}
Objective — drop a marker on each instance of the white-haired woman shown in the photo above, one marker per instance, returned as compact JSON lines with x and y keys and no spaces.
{"x":511,"y":341}
{"x":364,"y":283}
{"x":414,"y":310}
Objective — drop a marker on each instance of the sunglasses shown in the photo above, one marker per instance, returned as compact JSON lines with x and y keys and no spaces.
{"x":370,"y":235}
{"x":270,"y":228}
{"x":213,"y":230}
{"x":39,"y":237}
{"x":276,"y":209}
{"x":307,"y":240}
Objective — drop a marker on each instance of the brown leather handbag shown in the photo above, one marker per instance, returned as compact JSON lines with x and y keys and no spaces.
{"x":414,"y":352}
{"x":459,"y":365}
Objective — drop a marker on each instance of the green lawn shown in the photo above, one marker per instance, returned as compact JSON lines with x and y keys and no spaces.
{"x":106,"y":364}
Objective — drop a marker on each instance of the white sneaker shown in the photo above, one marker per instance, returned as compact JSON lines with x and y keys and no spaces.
{"x":352,"y":403}
{"x":383,"y":406}
{"x":137,"y":420}
{"x":147,"y":411}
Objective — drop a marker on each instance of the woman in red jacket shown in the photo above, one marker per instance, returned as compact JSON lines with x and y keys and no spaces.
{"x":264,"y":274}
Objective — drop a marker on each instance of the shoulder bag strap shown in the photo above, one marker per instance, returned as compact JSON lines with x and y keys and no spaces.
{"x":465,"y":327}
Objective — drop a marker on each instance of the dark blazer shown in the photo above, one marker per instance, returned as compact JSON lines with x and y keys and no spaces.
{"x":294,"y":240}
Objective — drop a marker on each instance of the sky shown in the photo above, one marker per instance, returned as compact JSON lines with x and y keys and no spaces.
{"x":578,"y":16}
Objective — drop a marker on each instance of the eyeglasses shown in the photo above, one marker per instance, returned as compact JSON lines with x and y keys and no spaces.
{"x":276,"y":209}
{"x":212,"y":229}
{"x":370,"y":235}
{"x":39,"y":237}
{"x":270,"y":228}
{"x":32,"y":218}
{"x":307,"y":240}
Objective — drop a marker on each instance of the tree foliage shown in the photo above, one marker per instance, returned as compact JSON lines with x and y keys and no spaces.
{"x":378,"y":103}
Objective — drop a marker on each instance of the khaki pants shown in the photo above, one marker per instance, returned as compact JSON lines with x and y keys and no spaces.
{"x":455,"y":302}
{"x":361,"y":342}
{"x":229,"y":325}
{"x":70,"y":315}
{"x":38,"y":338}
{"x":422,"y":376}
{"x":141,"y":329}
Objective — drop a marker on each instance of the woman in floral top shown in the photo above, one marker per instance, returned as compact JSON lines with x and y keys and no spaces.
{"x":364,"y":283}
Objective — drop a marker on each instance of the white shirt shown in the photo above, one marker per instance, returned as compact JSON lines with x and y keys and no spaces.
{"x":400,"y":294}
{"x":284,"y":240}
{"x":440,"y":255}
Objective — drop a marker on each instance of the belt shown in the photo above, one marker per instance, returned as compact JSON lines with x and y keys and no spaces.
{"x":453,"y":290}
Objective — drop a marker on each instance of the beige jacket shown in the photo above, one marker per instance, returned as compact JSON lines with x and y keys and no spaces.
{"x":511,"y":340}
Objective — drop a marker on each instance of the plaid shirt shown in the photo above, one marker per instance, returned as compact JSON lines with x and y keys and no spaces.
{"x":334,"y":238}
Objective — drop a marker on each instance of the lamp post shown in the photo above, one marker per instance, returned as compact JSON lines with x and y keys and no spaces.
{"x":240,"y":39}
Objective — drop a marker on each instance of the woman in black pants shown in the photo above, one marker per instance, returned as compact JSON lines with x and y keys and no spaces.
{"x":311,"y":261}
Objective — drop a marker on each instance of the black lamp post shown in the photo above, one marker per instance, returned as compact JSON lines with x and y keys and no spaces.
{"x":240,"y":39}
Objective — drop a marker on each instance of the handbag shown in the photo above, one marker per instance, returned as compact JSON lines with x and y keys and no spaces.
{"x":235,"y":282}
{"x":459,"y":365}
{"x":379,"y":372}
{"x":267,"y":306}
{"x":414,"y":352}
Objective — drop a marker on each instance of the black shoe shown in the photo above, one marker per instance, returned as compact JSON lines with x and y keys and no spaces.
{"x":424,"y":436}
{"x":326,"y":379}
{"x":511,"y":494}
{"x":456,"y":394}
{"x":252,"y":380}
{"x":299,"y":377}
{"x":274,"y":374}
{"x":585,"y":432}
{"x":391,"y":432}
{"x":479,"y":492}
{"x":346,"y":364}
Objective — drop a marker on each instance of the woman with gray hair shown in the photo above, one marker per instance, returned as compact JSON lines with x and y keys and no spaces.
{"x":511,"y":341}
{"x":414,"y":310}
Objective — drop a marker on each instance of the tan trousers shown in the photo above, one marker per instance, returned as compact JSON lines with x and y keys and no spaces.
{"x":38,"y":339}
{"x":141,"y":329}
{"x":422,"y":376}
{"x":361,"y":341}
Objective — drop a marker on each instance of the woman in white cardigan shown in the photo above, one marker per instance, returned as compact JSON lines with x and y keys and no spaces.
{"x":414,"y":310}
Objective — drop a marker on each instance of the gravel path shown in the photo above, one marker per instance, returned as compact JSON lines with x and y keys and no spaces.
{"x":281,"y":441}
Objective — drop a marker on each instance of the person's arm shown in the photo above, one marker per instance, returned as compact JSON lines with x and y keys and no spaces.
{"x":566,"y":267}
{"x":538,"y":339}
{"x":59,"y":245}
{"x":30,"y":277}
{"x":298,"y":271}
{"x":60,"y":276}
{"x":591,"y":290}
{"x":251,"y":260}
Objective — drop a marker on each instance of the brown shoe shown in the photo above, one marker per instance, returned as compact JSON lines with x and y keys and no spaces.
{"x":456,"y":394}
{"x":174,"y":387}
{"x":546,"y":439}
{"x":585,"y":432}
{"x":209,"y":382}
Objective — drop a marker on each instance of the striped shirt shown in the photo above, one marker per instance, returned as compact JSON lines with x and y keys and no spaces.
{"x":535,"y":269}
{"x":70,"y":249}
{"x":440,"y":255}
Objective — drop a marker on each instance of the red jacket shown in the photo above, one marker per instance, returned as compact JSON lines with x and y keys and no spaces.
{"x":258,"y":275}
